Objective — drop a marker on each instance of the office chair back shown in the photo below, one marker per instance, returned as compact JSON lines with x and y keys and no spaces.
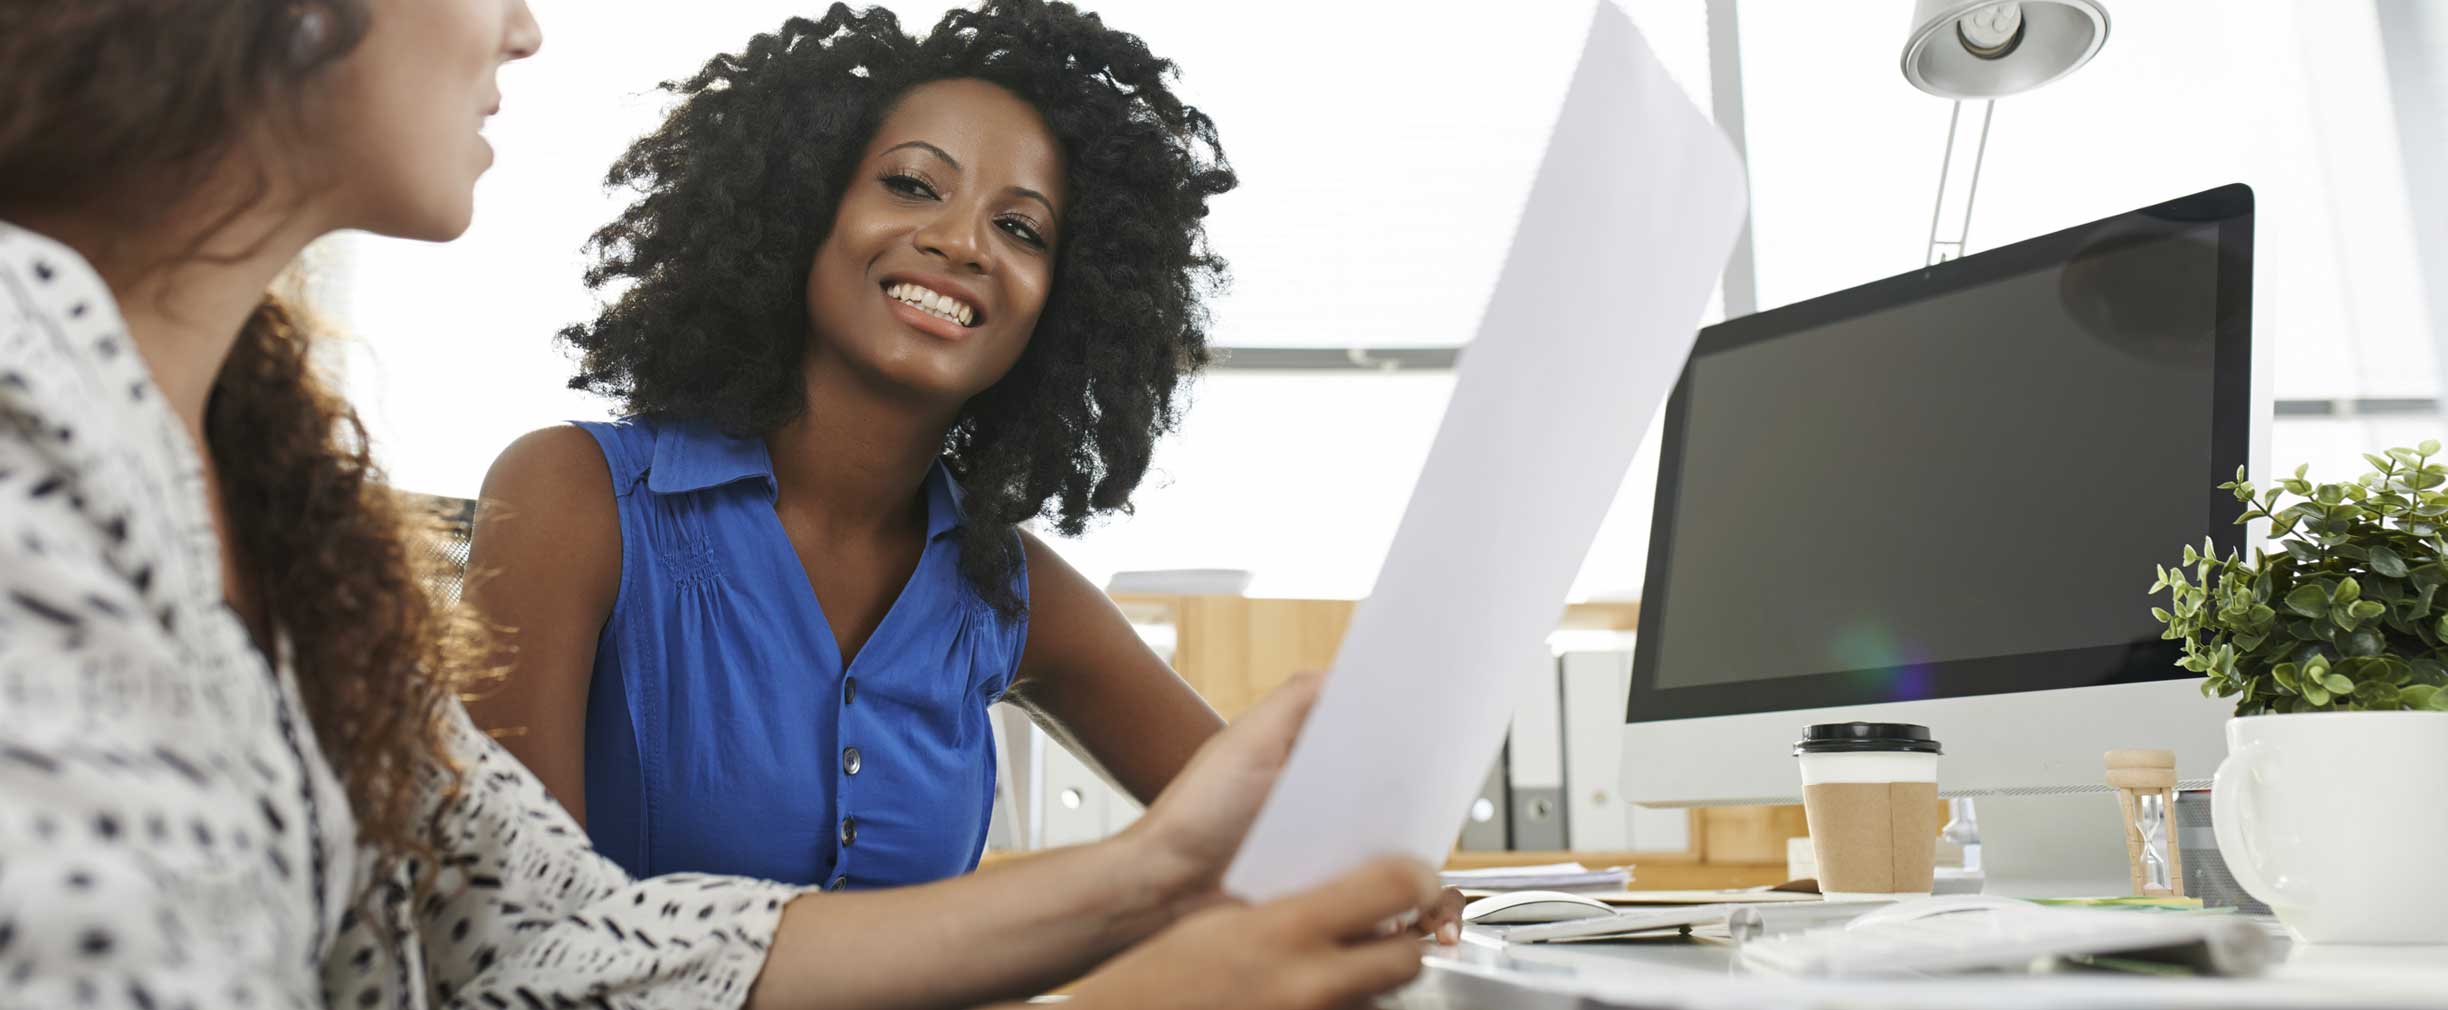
{"x":458,"y":520}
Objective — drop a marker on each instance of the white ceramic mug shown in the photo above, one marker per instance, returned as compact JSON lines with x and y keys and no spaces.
{"x":2339,"y":821}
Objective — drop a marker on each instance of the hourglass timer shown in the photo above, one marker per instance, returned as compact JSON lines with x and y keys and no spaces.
{"x":2145,"y":784}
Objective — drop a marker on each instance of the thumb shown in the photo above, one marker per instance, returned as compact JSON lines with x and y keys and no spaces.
{"x":1276,"y":719}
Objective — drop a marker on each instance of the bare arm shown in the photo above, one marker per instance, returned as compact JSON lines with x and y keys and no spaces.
{"x":1086,"y":675}
{"x":1019,"y":928}
{"x":1323,"y":949}
{"x":1007,"y":932}
{"x":544,"y":568}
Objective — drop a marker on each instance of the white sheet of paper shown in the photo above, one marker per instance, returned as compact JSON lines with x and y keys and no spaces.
{"x":1629,"y":221}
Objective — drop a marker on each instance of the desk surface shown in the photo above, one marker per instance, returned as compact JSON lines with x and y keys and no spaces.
{"x":1484,"y":974}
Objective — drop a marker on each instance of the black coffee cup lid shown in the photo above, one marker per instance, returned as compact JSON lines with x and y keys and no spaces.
{"x":1866,"y":738}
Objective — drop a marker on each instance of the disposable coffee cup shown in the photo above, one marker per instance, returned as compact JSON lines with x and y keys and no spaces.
{"x":1870,"y":792}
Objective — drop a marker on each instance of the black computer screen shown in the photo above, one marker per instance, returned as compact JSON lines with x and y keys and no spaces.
{"x":1953,"y":482}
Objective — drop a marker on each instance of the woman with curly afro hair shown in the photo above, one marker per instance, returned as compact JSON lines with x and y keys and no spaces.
{"x":879,"y":300}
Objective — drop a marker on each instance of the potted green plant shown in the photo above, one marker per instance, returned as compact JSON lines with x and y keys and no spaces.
{"x":2348,"y":615}
{"x":2335,"y":648}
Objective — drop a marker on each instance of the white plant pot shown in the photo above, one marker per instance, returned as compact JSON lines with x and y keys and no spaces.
{"x":2339,"y":821}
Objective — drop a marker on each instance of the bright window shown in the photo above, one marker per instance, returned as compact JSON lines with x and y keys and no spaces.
{"x":2289,"y":96}
{"x":1384,"y":150}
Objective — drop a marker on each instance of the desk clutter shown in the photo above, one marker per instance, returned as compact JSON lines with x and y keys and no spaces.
{"x":1897,"y":931}
{"x":1974,"y":934}
{"x":2176,"y":931}
{"x":1923,"y":936}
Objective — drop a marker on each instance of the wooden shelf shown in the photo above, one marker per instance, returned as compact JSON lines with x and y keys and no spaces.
{"x":1490,"y":859}
{"x":1651,"y":871}
{"x":1233,"y":649}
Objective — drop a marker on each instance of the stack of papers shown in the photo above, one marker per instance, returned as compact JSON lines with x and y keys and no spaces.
{"x":1549,"y":877}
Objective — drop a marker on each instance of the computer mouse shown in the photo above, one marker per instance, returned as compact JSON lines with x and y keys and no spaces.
{"x":1518,"y":907}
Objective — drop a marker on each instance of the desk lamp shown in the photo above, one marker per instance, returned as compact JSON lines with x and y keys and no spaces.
{"x":1978,"y":51}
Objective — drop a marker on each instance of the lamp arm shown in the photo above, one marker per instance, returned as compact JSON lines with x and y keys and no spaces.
{"x":1951,"y":216}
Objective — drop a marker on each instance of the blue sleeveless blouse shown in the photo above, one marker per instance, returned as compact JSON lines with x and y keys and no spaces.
{"x":723,"y":734}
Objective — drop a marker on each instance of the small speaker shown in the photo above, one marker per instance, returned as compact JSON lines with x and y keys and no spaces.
{"x":2205,"y":871}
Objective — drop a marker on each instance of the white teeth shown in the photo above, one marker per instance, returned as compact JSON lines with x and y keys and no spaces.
{"x":932,"y":302}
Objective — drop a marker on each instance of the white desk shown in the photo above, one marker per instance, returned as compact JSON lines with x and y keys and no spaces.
{"x":1701,"y":975}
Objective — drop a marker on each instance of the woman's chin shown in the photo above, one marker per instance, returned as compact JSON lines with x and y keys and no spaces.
{"x":921,"y":377}
{"x":420,"y":202}
{"x":430,"y":224}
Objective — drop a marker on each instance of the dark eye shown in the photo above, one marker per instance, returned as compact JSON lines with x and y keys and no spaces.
{"x":909,"y":185}
{"x":1022,"y":230}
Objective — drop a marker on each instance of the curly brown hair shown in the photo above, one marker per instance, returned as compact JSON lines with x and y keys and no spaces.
{"x":123,"y":108}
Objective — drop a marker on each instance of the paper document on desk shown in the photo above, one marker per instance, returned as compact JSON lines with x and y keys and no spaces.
{"x":1548,"y":877}
{"x":1634,"y":209}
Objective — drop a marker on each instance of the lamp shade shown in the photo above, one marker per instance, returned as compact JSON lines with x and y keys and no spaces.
{"x":1976,"y":49}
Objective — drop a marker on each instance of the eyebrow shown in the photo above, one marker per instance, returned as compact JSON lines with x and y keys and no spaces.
{"x":948,"y":159}
{"x":929,"y":148}
{"x":1024,"y":191}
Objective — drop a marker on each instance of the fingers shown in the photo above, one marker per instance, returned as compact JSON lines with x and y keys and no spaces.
{"x":1349,"y":975}
{"x":1356,"y":904}
{"x":1443,"y":919}
{"x":1267,"y":729}
{"x":1283,"y":709}
{"x":1383,"y":964}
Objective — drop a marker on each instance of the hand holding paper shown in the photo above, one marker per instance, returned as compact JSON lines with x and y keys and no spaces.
{"x":1629,"y":221}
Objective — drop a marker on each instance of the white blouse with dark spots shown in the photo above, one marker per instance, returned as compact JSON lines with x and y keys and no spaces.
{"x":170,"y":835}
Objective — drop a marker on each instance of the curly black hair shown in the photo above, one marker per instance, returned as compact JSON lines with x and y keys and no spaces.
{"x":738,"y":189}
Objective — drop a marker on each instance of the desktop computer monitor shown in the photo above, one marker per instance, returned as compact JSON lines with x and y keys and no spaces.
{"x":1938,"y":498}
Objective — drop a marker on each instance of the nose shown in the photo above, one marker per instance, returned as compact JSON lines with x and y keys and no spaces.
{"x":953,"y":235}
{"x":525,"y":36}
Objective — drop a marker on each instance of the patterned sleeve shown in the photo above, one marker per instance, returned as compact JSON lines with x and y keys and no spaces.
{"x":137,"y":864}
{"x":524,"y":913}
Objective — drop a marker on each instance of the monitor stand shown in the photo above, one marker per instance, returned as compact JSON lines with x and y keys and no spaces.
{"x":2064,"y":845}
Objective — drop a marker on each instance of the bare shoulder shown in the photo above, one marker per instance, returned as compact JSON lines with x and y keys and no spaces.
{"x":1071,"y":621}
{"x":1052,"y":580}
{"x":561,"y":459}
{"x":547,"y":503}
{"x":556,"y":471}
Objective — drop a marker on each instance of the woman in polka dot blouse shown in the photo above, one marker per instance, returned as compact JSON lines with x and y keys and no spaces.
{"x":234,"y":770}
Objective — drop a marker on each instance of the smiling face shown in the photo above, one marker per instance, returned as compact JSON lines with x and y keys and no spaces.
{"x":942,"y":250}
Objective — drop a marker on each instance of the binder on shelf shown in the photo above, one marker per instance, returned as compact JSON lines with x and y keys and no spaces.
{"x":1483,"y":828}
{"x":1007,"y":823}
{"x":1535,"y":753}
{"x":1597,"y":695}
{"x":1068,"y":802}
{"x":1596,"y":686}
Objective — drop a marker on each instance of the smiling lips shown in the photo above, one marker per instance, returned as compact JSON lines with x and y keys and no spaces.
{"x":932,"y":302}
